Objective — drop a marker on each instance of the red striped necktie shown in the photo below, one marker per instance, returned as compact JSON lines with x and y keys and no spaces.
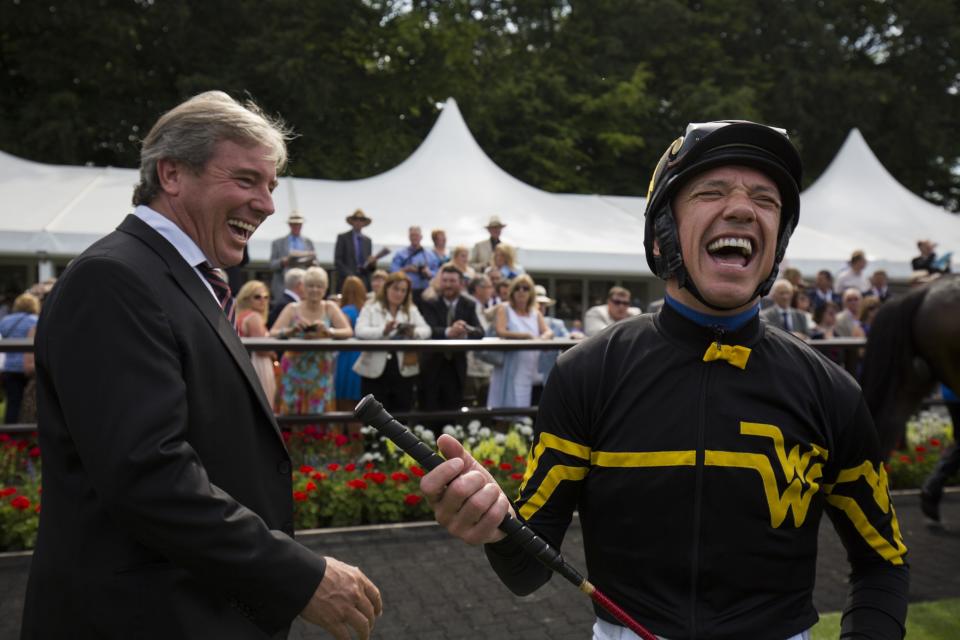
{"x":221,"y":288}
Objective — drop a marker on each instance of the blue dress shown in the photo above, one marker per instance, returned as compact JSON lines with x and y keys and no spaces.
{"x":347,"y":381}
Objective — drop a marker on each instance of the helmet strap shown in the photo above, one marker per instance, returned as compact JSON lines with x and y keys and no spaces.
{"x":670,"y":261}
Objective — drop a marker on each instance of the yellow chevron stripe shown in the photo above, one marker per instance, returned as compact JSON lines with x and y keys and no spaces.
{"x":643,"y":458}
{"x":873,"y":538}
{"x":550,"y":441}
{"x":555,"y":476}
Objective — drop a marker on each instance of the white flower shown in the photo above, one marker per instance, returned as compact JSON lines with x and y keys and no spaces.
{"x":484,"y":433}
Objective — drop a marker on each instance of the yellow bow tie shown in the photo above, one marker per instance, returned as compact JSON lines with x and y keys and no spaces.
{"x":735,"y":355}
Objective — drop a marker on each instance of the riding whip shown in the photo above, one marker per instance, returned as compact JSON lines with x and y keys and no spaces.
{"x":371,"y":412}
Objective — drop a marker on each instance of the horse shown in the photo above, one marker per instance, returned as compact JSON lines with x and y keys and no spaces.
{"x":913,"y":343}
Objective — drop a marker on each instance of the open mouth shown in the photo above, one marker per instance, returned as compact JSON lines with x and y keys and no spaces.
{"x":729,"y":250}
{"x":240,"y":229}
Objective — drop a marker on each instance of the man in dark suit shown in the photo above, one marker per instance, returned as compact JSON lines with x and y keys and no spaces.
{"x":352,"y":255}
{"x":822,"y":291}
{"x":293,"y":291}
{"x":292,"y":250}
{"x":167,"y":497}
{"x":450,"y":316}
{"x":781,"y":314}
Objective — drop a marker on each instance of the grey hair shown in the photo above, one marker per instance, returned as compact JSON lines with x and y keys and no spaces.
{"x":189,"y":132}
{"x":293,"y":277}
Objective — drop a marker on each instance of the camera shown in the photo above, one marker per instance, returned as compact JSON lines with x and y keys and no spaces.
{"x":475,"y":332}
{"x":404,"y":331}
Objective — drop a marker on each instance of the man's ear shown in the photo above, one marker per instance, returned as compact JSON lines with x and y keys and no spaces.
{"x":170,"y":176}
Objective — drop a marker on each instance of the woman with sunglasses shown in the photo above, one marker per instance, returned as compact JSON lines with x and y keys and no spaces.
{"x":511,"y":383}
{"x":253,"y":302}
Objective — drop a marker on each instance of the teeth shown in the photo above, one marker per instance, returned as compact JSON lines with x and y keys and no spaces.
{"x":240,"y":224}
{"x":736,"y":243}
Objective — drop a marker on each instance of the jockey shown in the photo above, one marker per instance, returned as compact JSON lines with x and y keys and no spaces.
{"x":699,"y":446}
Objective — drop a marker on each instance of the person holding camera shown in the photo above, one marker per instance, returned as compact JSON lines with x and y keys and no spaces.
{"x":307,"y":377}
{"x":454,"y":317}
{"x":389,"y":375}
{"x":419,"y":264}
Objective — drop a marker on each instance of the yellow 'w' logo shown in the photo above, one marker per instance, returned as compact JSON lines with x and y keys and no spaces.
{"x":800,"y":474}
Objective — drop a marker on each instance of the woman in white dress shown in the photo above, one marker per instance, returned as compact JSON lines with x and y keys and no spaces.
{"x":520,"y":319}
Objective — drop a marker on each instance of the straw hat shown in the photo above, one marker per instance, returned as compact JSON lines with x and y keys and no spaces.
{"x":495,"y":222}
{"x":295,"y":218}
{"x":542,"y":298}
{"x":360,"y":216}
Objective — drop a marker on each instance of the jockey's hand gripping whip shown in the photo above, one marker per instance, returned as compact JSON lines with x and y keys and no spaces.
{"x":369,"y":411}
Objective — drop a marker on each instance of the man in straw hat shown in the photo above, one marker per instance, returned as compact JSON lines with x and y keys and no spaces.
{"x":700,"y":446}
{"x":292,"y":250}
{"x":483,"y":251}
{"x":353,"y":254}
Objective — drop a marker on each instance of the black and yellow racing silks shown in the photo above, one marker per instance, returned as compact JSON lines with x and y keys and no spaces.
{"x":700,"y":464}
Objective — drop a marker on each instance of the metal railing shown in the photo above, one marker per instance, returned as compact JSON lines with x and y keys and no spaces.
{"x":848,"y":345}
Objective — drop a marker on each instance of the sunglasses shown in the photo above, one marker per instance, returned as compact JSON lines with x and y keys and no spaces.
{"x":522,"y":287}
{"x":621,"y":303}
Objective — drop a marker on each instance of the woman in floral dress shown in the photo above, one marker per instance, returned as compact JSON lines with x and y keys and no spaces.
{"x":307,"y":377}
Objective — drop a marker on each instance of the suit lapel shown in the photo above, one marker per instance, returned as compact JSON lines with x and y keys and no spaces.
{"x":190,"y":283}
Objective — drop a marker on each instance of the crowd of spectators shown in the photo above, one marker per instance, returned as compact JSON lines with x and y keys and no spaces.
{"x":462,"y":293}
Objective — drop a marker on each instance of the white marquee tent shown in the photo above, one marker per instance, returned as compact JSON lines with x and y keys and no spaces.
{"x":450,"y":183}
{"x":857,"y":200}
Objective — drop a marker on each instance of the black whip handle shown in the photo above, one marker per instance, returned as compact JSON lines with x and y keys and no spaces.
{"x":370,"y":411}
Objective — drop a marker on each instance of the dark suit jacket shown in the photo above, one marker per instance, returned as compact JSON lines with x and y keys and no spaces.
{"x":277,"y":307}
{"x":435,"y":313}
{"x":345,"y":258}
{"x":774,"y":317}
{"x":167,"y":499}
{"x":816,"y":301}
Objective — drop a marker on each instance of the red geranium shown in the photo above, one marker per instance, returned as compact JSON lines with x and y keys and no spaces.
{"x":506,"y":466}
{"x":4,"y":437}
{"x":417,"y":471}
{"x":357,"y":483}
{"x":934,"y":442}
{"x":920,"y":448}
{"x":299,"y":496}
{"x":412,"y":499}
{"x":319,"y":475}
{"x":516,"y":476}
{"x":376,"y":476}
{"x":905,"y":459}
{"x":333,"y":466}
{"x":21,"y":503}
{"x":341,"y":440}
{"x":311,"y":486}
{"x":488,"y":462}
{"x":9,"y":491}
{"x":399,"y":476}
{"x":35,"y":452}
{"x":369,"y":466}
{"x":306,"y":469}
{"x":518,"y":458}
{"x":350,"y":467}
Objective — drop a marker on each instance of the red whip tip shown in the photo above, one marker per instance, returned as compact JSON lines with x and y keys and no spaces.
{"x":621,"y":615}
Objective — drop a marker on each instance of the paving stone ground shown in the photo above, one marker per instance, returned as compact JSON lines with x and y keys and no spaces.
{"x":434,"y":587}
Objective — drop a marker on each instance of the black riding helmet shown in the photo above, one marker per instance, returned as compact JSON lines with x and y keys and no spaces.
{"x":703,"y":147}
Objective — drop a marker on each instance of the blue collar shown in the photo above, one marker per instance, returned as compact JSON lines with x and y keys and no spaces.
{"x":728,"y":323}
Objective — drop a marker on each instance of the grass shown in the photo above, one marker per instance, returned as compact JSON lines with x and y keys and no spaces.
{"x":925,"y":621}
